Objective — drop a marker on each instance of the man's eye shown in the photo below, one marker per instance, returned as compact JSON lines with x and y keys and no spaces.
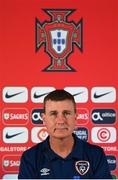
{"x":67,"y":113}
{"x":53,"y":114}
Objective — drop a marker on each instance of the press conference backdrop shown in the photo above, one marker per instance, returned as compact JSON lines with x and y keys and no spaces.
{"x":47,"y":45}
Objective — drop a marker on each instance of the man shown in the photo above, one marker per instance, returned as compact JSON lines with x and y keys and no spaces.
{"x":62,"y":155}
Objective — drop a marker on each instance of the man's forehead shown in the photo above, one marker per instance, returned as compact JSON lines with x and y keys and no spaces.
{"x":65,"y":102}
{"x":58,"y":101}
{"x":59,"y":105}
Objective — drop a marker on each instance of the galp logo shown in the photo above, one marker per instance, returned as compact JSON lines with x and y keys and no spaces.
{"x":15,"y":94}
{"x":39,"y":134}
{"x":103,"y":134}
{"x":59,"y":37}
{"x":11,"y":163}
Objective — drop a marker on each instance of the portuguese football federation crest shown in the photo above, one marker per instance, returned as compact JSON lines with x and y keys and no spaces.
{"x":59,"y":37}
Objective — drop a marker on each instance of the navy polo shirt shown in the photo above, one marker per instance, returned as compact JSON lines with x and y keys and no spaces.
{"x":86,"y":161}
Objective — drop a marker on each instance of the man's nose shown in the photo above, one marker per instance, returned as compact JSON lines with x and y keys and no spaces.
{"x":60,"y":118}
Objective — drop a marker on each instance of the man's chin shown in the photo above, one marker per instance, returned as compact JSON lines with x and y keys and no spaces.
{"x":61,"y":135}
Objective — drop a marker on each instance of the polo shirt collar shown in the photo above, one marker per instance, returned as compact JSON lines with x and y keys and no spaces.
{"x":48,"y":152}
{"x":77,"y":151}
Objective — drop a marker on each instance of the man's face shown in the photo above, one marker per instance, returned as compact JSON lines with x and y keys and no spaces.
{"x":59,"y":118}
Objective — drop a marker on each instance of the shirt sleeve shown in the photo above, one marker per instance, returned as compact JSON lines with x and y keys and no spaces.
{"x":101,"y":167}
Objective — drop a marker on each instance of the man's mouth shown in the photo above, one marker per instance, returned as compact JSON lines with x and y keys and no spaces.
{"x":60,"y":129}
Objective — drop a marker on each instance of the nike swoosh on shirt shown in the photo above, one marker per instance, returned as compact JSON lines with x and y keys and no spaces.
{"x":12,"y":95}
{"x":101,"y":95}
{"x":13,"y":135}
{"x":77,"y":93}
{"x":40,"y":95}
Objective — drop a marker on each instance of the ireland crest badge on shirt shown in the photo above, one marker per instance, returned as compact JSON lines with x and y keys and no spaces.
{"x":82,"y":167}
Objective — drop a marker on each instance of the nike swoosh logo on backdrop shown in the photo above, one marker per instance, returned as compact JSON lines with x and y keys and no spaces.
{"x":77,"y":93}
{"x":40,"y":95}
{"x":13,"y":135}
{"x":12,"y":95}
{"x":100,"y":95}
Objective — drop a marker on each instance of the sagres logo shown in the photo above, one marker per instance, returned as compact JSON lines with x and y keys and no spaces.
{"x":59,"y":36}
{"x":39,"y":134}
{"x":11,"y":163}
{"x":103,"y":134}
{"x":82,"y":116}
{"x":15,"y":116}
